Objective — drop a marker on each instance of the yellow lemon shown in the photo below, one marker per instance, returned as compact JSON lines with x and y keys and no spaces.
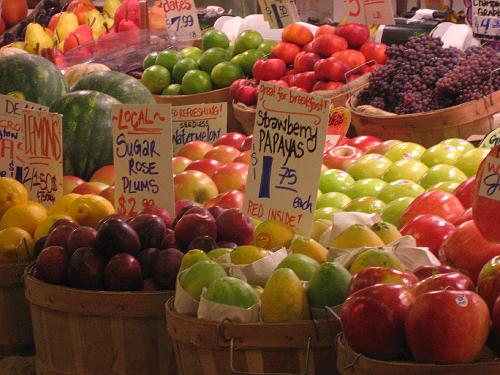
{"x":12,"y":193}
{"x":16,"y":245}
{"x":26,"y":216}
{"x":61,"y":206}
{"x":43,"y":228}
{"x":89,"y":209}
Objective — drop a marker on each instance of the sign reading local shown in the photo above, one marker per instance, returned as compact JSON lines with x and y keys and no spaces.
{"x":142,"y":153}
{"x":11,"y":135}
{"x":198,"y":122}
{"x":42,"y":149}
{"x":279,"y":13}
{"x":182,"y":17}
{"x":287,"y":153}
{"x":486,"y":19}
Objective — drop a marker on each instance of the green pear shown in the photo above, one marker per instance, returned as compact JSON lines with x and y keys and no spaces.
{"x":37,"y":39}
{"x":96,"y":21}
{"x":68,"y":22}
{"x":110,"y":7}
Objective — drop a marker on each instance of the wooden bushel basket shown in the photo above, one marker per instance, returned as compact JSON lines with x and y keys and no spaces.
{"x":79,"y":332}
{"x":212,"y":348}
{"x":351,"y":363}
{"x":429,"y":128}
{"x":16,"y":334}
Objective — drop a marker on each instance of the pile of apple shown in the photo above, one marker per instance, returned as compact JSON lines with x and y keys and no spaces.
{"x":307,"y":62}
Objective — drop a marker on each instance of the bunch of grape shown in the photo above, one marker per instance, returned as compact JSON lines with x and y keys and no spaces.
{"x":474,"y":77}
{"x":408,"y":82}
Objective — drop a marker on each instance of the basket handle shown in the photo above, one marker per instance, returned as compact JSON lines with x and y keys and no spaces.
{"x":235,"y":371}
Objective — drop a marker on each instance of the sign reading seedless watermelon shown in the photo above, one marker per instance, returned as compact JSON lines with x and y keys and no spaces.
{"x":42,"y":171}
{"x":287,"y":153}
{"x":142,"y":153}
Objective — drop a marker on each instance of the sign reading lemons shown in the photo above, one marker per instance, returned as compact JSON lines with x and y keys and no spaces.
{"x":142,"y":154}
{"x":182,"y":18}
{"x":287,"y":153}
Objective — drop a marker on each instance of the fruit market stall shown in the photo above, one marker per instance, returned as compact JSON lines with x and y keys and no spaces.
{"x":244,"y":199}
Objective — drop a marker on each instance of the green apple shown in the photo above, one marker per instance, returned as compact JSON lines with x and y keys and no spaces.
{"x":440,"y":173}
{"x":325,"y":213}
{"x":366,"y":187}
{"x":469,"y":161}
{"x":333,"y":199}
{"x":369,"y":166}
{"x":335,"y":180}
{"x":440,"y":154}
{"x":369,"y":205}
{"x":382,"y":148}
{"x":406,"y":169}
{"x":460,"y":144}
{"x":447,"y":186}
{"x":301,"y":264}
{"x":393,"y":210}
{"x":400,"y":188}
{"x":405,"y":150}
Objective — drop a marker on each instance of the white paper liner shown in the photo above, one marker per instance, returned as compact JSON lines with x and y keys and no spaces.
{"x":224,"y":261}
{"x":405,"y":249}
{"x":218,"y":312}
{"x":258,"y":272}
{"x":183,"y":302}
{"x":343,"y":220}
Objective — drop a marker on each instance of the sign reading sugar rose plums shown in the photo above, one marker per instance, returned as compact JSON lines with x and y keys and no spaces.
{"x":287,"y":153}
{"x":198,"y":122}
{"x":142,"y":153}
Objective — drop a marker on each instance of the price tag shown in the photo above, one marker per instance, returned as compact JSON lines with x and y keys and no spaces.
{"x":42,"y":171}
{"x":486,"y":19}
{"x":339,"y":121}
{"x":182,"y":18}
{"x":370,"y":12}
{"x":142,"y":154}
{"x":11,"y":135}
{"x":198,"y":122}
{"x":279,"y":13}
{"x":492,"y":139}
{"x":287,"y":153}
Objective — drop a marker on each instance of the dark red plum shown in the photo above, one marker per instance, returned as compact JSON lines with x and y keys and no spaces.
{"x":166,"y":268}
{"x":161,"y":212}
{"x":205,"y":243}
{"x":123,"y":273}
{"x":234,"y":226}
{"x":115,"y":236}
{"x":150,"y":228}
{"x":59,"y":236}
{"x":147,"y":259}
{"x":52,"y":265}
{"x":81,"y":237}
{"x":86,"y":269}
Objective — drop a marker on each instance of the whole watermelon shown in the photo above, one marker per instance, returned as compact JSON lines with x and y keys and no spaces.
{"x":32,"y":78}
{"x":87,"y":131}
{"x":126,"y":89}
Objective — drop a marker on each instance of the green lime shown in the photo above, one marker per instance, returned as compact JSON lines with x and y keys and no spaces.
{"x":237,"y":59}
{"x":181,"y":67}
{"x":172,"y":89}
{"x":149,"y":60}
{"x":230,"y":51}
{"x":212,"y":57}
{"x":248,"y":39}
{"x":225,"y":73}
{"x":191,"y":53}
{"x":248,"y":58}
{"x":266,"y":46}
{"x":214,"y":38}
{"x":156,"y":78}
{"x":196,"y":81}
{"x":168,"y":58}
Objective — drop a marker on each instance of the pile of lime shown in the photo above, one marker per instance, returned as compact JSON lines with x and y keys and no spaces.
{"x":216,"y":65}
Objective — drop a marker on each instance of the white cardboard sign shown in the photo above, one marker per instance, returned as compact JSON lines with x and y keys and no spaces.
{"x":489,"y":186}
{"x":279,"y":13}
{"x":182,"y":17}
{"x":370,"y":12}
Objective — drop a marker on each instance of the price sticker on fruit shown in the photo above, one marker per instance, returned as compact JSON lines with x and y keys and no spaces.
{"x":182,"y":18}
{"x":142,"y":154}
{"x":286,"y":158}
{"x":42,"y":149}
{"x":198,"y":122}
{"x":279,"y":13}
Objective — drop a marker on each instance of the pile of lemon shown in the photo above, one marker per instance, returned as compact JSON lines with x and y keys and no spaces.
{"x":22,"y":221}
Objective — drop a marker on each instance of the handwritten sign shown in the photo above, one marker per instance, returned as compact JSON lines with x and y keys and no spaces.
{"x":489,"y":184}
{"x":370,"y":12}
{"x":42,"y":172}
{"x":287,"y":152}
{"x":492,"y":139}
{"x":11,"y":135}
{"x":198,"y":122}
{"x":142,"y":154}
{"x":486,"y":19}
{"x":339,"y":120}
{"x":182,"y":17}
{"x":279,"y":13}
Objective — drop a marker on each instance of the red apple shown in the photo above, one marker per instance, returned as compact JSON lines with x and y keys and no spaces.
{"x":179,"y":164}
{"x":207,"y":166}
{"x":247,"y":145}
{"x":160,"y":212}
{"x":466,"y":216}
{"x":109,"y":193}
{"x":195,"y":186}
{"x":356,"y":34}
{"x":488,"y":281}
{"x":304,"y":61}
{"x":70,"y":183}
{"x":423,"y":272}
{"x":195,"y":150}
{"x":374,"y":51}
{"x":266,"y":70}
{"x":244,"y":157}
{"x":466,"y":249}
{"x":285,"y":51}
{"x":373,"y":320}
{"x":123,"y":273}
{"x":442,"y":281}
{"x":435,"y":202}
{"x":464,"y":192}
{"x":382,"y":148}
{"x":279,"y":82}
{"x":52,"y":265}
{"x":305,"y":80}
{"x":234,"y":226}
{"x":233,"y":139}
{"x":486,"y":198}
{"x":447,"y":326}
{"x":300,"y":89}
{"x":222,"y":153}
{"x":364,"y":142}
{"x":327,"y":44}
{"x":331,"y":69}
{"x":429,"y":230}
{"x":232,"y":176}
{"x":380,"y":275}
{"x":90,"y":188}
{"x":351,"y":57}
{"x":228,"y":199}
{"x":341,"y":157}
{"x":297,"y":33}
{"x":327,"y":86}
{"x":325,"y":29}
{"x":245,"y":91}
